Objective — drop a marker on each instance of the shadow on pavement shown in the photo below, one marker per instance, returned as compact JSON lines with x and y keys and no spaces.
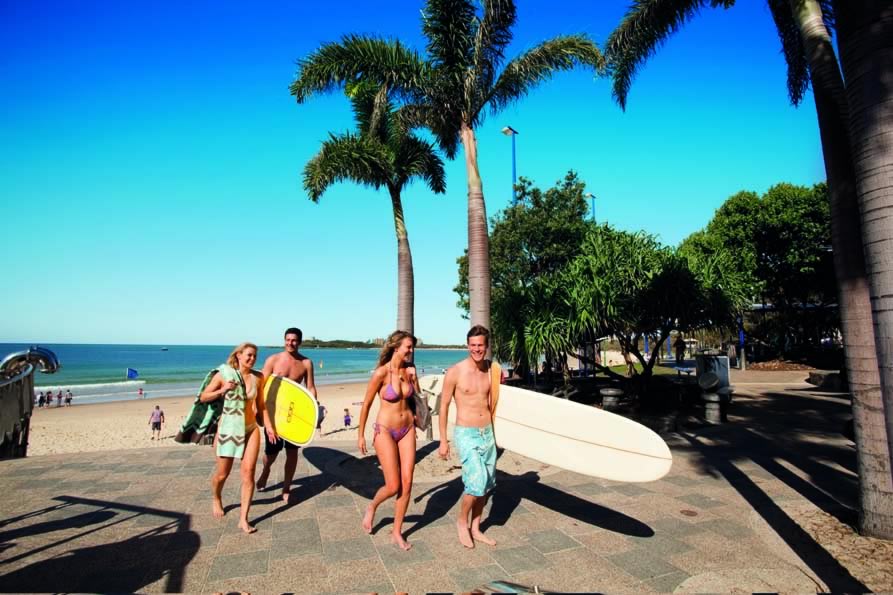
{"x":796,"y":437}
{"x":441,"y":498}
{"x":128,"y":565}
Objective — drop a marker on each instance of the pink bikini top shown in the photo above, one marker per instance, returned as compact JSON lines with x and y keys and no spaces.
{"x":391,"y":396}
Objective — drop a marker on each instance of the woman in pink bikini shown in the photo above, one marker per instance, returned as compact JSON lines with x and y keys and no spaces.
{"x":395,"y":382}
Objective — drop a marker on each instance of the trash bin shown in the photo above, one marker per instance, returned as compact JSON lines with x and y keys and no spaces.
{"x":611,"y":398}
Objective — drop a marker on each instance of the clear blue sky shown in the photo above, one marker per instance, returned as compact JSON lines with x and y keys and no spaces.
{"x":152,"y":155}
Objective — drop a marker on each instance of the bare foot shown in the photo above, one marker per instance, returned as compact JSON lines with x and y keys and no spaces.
{"x":217,"y":508}
{"x":397,"y":539}
{"x":464,"y":536}
{"x":478,"y":536}
{"x":368,"y":518}
{"x":285,"y":496}
{"x":244,"y":526}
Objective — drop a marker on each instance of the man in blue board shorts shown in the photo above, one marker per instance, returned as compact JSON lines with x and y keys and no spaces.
{"x":469,"y":382}
{"x":290,"y":364}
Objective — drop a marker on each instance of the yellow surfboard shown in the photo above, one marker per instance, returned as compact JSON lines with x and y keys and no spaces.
{"x":293,"y":409}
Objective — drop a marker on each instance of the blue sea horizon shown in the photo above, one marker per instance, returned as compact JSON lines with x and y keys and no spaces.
{"x":97,"y":373}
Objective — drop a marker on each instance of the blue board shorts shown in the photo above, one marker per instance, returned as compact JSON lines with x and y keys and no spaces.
{"x":477,"y":451}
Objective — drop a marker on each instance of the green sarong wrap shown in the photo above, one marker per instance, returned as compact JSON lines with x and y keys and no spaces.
{"x":231,"y":432}
{"x":202,"y":418}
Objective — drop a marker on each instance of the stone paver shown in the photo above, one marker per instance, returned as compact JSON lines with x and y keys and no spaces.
{"x":67,"y":520}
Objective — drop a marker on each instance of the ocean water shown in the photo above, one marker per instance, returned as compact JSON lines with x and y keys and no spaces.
{"x":97,"y":373}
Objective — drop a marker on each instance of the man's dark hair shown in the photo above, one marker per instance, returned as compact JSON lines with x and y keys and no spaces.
{"x":478,"y":331}
{"x":294,"y":331}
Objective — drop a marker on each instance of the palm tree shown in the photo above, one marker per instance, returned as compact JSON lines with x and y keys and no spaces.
{"x":866,"y":44}
{"x":382,"y":153}
{"x":803,"y":30}
{"x":450,"y":91}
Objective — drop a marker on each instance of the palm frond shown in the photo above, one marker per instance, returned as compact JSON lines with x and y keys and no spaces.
{"x":418,"y":115}
{"x":644,"y":28}
{"x":347,"y":157}
{"x":414,"y":157}
{"x":792,"y":48}
{"x":492,"y":34}
{"x":355,"y":58}
{"x":539,"y":64}
{"x":447,"y":25}
{"x":371,"y":108}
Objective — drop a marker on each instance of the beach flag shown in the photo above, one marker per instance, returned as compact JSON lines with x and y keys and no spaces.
{"x":131,"y":374}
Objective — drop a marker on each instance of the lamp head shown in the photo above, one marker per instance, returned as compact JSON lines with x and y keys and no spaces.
{"x":509,"y":131}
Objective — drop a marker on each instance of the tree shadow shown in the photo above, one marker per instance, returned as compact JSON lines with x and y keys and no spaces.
{"x":117,"y":566}
{"x":805,"y":431}
{"x":823,"y":564}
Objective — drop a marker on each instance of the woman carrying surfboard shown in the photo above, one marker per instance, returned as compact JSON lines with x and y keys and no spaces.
{"x":238,"y":434}
{"x":395,"y":382}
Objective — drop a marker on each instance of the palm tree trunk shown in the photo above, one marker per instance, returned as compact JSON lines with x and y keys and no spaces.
{"x":405,"y":279}
{"x":478,"y":241}
{"x":875,"y":485}
{"x":865,"y":31}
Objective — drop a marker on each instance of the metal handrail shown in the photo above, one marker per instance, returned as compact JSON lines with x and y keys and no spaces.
{"x":17,"y":397}
{"x":48,"y":361}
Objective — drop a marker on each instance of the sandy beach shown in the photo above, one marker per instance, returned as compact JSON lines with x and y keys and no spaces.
{"x":125,"y":424}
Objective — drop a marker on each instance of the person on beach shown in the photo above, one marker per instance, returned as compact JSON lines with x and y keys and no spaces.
{"x":241,"y":388}
{"x":395,"y":382}
{"x":321,"y":416}
{"x":156,"y":418}
{"x":59,"y":398}
{"x":41,"y":400}
{"x":68,"y":398}
{"x":347,"y":419}
{"x":470,"y":382}
{"x":290,"y":364}
{"x":139,"y":393}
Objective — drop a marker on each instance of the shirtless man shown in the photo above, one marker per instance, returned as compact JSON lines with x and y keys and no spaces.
{"x":294,"y":366}
{"x":469,"y":382}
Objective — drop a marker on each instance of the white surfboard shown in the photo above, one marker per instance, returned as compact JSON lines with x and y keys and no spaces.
{"x":573,"y":436}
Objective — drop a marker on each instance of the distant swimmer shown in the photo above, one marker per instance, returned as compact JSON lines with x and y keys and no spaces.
{"x":288,"y":363}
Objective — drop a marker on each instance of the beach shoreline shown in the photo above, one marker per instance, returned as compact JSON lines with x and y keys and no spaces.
{"x":117,"y":425}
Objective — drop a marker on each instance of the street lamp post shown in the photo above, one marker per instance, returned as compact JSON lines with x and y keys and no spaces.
{"x":509,"y":131}
{"x":591,"y":196}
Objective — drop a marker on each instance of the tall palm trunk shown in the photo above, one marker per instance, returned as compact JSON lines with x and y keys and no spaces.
{"x":405,"y":279}
{"x":875,"y":485}
{"x":478,"y":242}
{"x":866,"y":51}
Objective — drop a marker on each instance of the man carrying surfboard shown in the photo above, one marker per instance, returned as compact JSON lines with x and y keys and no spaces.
{"x":470,"y":382}
{"x":290,"y":364}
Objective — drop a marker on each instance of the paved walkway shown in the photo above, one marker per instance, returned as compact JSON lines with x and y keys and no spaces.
{"x":139,"y":520}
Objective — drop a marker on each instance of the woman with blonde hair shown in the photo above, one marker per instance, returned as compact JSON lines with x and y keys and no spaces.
{"x":238,"y":435}
{"x":395,"y":382}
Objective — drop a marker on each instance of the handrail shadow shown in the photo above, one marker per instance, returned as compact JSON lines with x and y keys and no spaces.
{"x":118,"y":566}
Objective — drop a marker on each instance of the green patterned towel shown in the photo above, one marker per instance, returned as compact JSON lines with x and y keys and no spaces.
{"x":203,"y":418}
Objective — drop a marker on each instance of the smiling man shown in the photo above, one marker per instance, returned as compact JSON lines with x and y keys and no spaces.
{"x":469,"y":382}
{"x":288,"y":363}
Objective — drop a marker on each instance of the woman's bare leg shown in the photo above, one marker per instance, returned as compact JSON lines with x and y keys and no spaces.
{"x":386,"y":450}
{"x":407,"y":450}
{"x":248,"y":466}
{"x":221,"y":472}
